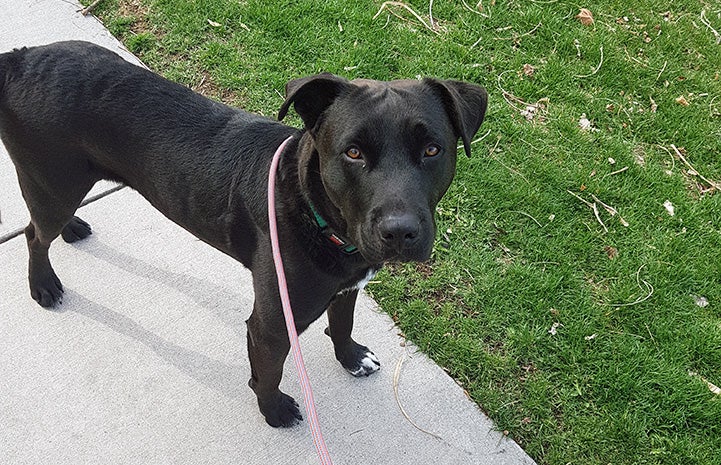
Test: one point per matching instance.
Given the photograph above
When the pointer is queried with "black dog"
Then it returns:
(358, 187)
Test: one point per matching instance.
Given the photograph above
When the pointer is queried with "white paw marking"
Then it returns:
(369, 364)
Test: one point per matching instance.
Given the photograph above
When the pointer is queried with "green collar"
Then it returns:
(332, 236)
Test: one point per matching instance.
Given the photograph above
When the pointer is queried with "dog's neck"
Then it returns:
(326, 216)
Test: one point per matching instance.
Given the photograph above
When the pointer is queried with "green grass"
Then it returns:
(517, 253)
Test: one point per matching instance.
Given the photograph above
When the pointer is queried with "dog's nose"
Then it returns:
(399, 232)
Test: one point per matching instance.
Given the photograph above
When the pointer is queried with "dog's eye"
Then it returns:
(354, 153)
(432, 151)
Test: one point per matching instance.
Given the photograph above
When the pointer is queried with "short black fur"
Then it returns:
(73, 113)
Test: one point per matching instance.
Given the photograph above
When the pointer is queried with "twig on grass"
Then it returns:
(615, 172)
(612, 211)
(430, 14)
(396, 379)
(588, 204)
(527, 216)
(662, 70)
(89, 9)
(706, 23)
(597, 67)
(388, 5)
(516, 37)
(648, 288)
(714, 185)
(598, 217)
(529, 110)
(492, 154)
(711, 387)
(475, 141)
(468, 7)
(593, 207)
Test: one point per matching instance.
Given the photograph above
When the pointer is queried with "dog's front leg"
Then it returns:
(356, 358)
(268, 347)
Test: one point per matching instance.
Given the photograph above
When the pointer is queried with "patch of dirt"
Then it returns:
(137, 10)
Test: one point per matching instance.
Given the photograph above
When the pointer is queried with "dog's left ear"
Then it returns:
(312, 95)
(465, 104)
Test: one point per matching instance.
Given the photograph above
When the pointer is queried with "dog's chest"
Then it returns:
(360, 285)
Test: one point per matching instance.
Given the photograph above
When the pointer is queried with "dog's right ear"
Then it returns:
(311, 96)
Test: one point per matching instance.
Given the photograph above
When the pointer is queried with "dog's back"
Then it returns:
(79, 110)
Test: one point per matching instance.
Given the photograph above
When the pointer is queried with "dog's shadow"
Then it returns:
(219, 376)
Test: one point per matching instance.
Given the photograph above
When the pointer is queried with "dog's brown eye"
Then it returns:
(353, 153)
(432, 151)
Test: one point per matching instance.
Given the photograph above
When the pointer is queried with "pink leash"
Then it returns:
(313, 422)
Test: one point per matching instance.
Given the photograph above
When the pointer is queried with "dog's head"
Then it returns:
(387, 154)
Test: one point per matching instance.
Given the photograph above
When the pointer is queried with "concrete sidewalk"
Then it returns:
(145, 361)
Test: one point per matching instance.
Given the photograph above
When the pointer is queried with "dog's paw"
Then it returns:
(284, 412)
(47, 290)
(76, 230)
(360, 361)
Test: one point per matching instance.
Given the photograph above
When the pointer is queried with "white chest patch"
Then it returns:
(360, 285)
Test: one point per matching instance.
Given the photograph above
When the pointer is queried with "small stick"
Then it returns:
(597, 67)
(712, 387)
(649, 287)
(713, 184)
(662, 70)
(522, 35)
(612, 211)
(396, 379)
(708, 25)
(616, 172)
(507, 94)
(430, 14)
(528, 216)
(476, 140)
(593, 207)
(492, 153)
(471, 9)
(588, 204)
(88, 9)
(598, 217)
(387, 5)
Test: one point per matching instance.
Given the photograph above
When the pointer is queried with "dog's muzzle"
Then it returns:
(399, 238)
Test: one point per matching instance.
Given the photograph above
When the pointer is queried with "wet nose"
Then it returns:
(399, 232)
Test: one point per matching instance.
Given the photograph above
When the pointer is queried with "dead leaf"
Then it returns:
(585, 124)
(585, 16)
(528, 70)
(213, 23)
(669, 207)
(681, 100)
(612, 252)
(654, 107)
(529, 113)
(712, 387)
(700, 300)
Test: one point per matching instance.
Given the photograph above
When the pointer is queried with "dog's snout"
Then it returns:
(399, 232)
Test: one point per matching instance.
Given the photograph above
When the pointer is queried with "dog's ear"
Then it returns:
(311, 95)
(465, 104)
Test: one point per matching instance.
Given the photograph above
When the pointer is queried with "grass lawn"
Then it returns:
(589, 336)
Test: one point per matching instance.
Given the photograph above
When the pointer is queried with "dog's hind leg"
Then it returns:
(52, 201)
